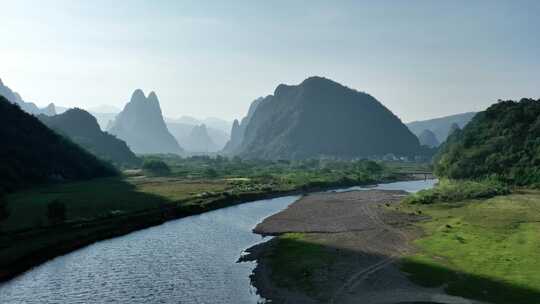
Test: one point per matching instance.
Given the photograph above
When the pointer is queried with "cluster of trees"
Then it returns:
(32, 153)
(502, 142)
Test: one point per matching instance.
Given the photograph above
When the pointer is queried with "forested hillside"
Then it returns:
(32, 153)
(82, 128)
(501, 142)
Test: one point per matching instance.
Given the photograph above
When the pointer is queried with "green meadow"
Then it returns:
(482, 249)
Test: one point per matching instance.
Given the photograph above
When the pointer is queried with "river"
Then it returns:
(189, 260)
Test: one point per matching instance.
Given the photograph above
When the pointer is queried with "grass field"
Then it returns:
(482, 249)
(197, 178)
(101, 198)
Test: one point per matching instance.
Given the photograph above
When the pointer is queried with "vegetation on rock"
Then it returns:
(82, 128)
(502, 142)
(320, 118)
(32, 153)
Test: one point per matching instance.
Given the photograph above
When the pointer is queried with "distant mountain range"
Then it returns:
(441, 126)
(142, 127)
(210, 140)
(322, 118)
(182, 129)
(198, 140)
(28, 107)
(217, 130)
(82, 128)
(32, 153)
(209, 122)
(105, 120)
(428, 138)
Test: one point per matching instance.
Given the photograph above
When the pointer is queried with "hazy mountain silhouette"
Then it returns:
(239, 129)
(49, 110)
(141, 125)
(105, 120)
(440, 126)
(428, 138)
(181, 130)
(28, 107)
(198, 140)
(212, 140)
(32, 153)
(322, 118)
(82, 128)
(210, 122)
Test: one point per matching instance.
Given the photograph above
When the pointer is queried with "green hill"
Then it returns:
(32, 153)
(82, 128)
(502, 142)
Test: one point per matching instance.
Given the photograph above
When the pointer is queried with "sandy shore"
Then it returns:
(365, 234)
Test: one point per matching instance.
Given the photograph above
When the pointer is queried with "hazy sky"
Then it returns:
(420, 58)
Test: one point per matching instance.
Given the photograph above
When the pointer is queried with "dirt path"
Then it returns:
(368, 236)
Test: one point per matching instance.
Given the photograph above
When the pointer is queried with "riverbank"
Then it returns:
(25, 248)
(339, 248)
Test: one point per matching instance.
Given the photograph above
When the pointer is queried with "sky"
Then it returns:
(421, 59)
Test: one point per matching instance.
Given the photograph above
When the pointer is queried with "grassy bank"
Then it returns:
(481, 249)
(484, 249)
(458, 190)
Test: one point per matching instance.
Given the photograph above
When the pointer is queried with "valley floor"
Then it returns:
(366, 245)
(109, 207)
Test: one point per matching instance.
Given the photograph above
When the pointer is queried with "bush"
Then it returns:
(453, 191)
(156, 167)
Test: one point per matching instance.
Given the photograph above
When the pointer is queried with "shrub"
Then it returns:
(453, 190)
(156, 167)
